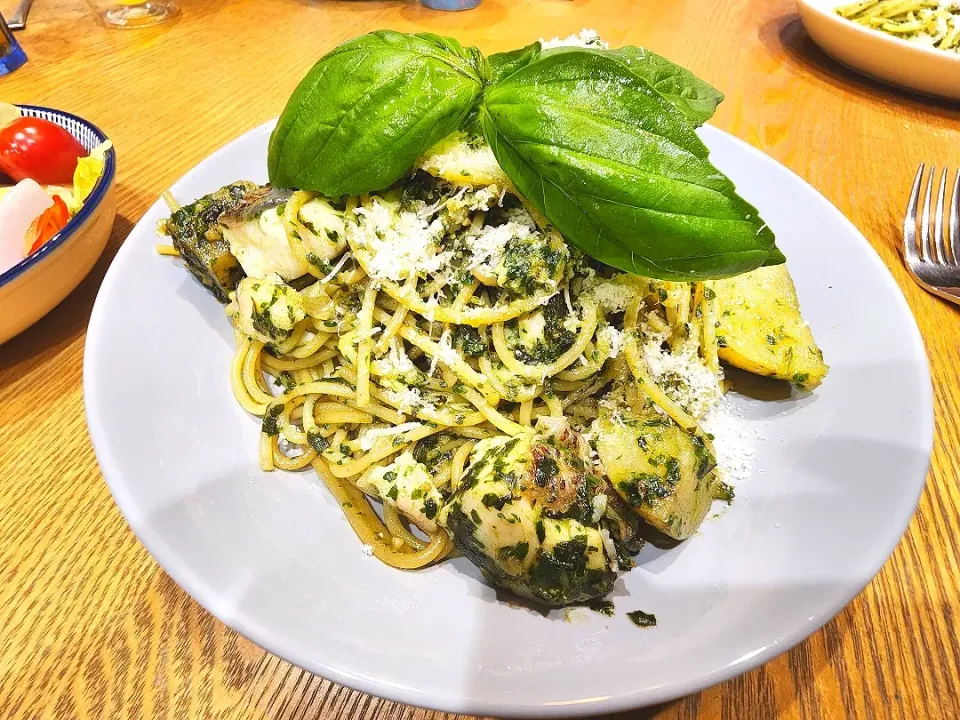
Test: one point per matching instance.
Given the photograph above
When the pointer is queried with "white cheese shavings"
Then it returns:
(409, 400)
(368, 438)
(400, 243)
(682, 375)
(368, 550)
(612, 297)
(585, 38)
(487, 246)
(733, 440)
(613, 337)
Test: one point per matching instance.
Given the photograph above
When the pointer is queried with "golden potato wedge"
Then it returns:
(759, 328)
(666, 475)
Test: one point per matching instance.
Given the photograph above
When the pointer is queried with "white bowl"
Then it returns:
(39, 282)
(879, 55)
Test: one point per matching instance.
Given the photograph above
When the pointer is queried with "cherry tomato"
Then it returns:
(40, 150)
(52, 221)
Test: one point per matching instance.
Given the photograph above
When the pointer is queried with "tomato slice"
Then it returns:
(40, 150)
(52, 221)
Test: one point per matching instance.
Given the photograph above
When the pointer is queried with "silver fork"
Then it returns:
(934, 261)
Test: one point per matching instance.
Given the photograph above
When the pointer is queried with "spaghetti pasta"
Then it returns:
(444, 320)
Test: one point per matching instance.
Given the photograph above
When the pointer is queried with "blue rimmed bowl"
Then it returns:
(37, 284)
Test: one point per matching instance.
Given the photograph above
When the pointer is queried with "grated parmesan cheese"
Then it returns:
(611, 296)
(368, 550)
(733, 440)
(400, 243)
(615, 338)
(682, 374)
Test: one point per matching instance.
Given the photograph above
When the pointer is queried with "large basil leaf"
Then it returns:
(619, 170)
(367, 110)
(505, 63)
(692, 96)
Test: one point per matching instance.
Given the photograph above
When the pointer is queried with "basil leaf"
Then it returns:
(367, 110)
(506, 63)
(619, 170)
(696, 99)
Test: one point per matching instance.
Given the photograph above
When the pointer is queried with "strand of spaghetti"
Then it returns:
(371, 530)
(170, 201)
(446, 355)
(292, 228)
(311, 346)
(392, 519)
(473, 432)
(365, 331)
(553, 404)
(266, 451)
(596, 358)
(710, 347)
(588, 325)
(512, 393)
(463, 297)
(240, 392)
(294, 338)
(392, 327)
(295, 462)
(458, 463)
(277, 365)
(496, 418)
(525, 416)
(168, 250)
(289, 431)
(474, 316)
(332, 413)
(639, 370)
(381, 450)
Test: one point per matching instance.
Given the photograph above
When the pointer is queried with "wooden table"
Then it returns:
(91, 627)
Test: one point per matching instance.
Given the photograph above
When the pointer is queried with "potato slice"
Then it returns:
(663, 473)
(761, 331)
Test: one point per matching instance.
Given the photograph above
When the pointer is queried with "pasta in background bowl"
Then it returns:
(883, 56)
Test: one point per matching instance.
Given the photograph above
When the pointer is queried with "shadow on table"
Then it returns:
(787, 34)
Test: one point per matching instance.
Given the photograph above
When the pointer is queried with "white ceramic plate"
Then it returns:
(835, 480)
(880, 55)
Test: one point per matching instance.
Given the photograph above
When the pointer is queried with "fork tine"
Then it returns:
(926, 247)
(938, 252)
(953, 241)
(910, 220)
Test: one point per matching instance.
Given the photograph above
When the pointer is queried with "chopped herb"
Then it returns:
(800, 378)
(271, 420)
(604, 607)
(708, 293)
(392, 492)
(642, 619)
(771, 340)
(317, 441)
(430, 508)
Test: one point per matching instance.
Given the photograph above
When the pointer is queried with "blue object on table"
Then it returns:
(12, 55)
(451, 4)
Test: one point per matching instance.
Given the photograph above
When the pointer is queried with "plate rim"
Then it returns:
(170, 562)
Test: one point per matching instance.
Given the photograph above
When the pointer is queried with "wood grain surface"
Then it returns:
(91, 627)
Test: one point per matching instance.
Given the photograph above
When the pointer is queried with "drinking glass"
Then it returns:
(12, 55)
(136, 13)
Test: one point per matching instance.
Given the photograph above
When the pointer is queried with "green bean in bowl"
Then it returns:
(934, 23)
